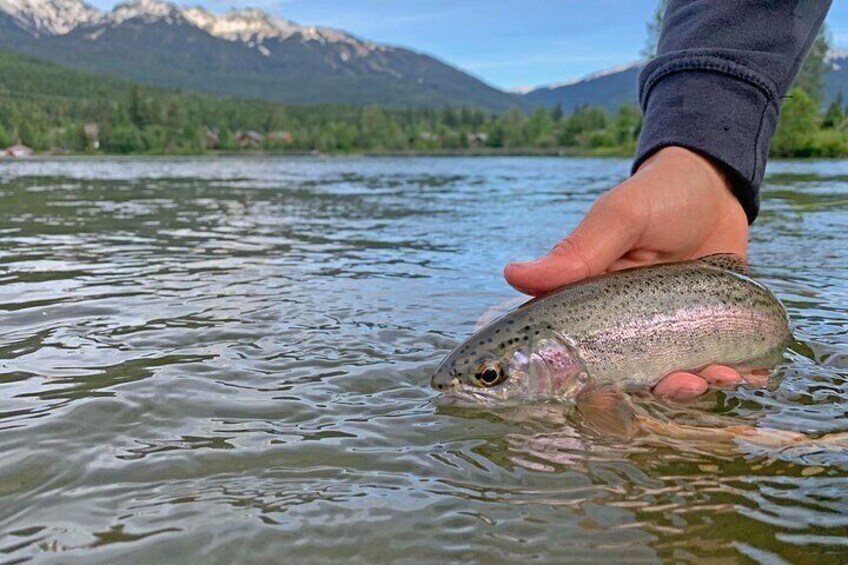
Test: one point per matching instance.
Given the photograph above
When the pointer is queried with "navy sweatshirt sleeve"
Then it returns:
(716, 84)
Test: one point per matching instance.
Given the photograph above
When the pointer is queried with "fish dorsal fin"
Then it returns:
(728, 262)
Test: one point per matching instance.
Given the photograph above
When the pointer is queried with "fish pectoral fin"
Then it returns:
(608, 410)
(728, 262)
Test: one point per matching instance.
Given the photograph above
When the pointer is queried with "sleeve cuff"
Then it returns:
(721, 112)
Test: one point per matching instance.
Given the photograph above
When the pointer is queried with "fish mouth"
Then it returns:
(453, 390)
(444, 383)
(457, 392)
(451, 387)
(443, 379)
(466, 395)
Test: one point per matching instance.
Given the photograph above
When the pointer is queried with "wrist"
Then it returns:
(693, 166)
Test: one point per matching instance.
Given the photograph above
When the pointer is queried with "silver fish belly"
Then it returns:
(629, 327)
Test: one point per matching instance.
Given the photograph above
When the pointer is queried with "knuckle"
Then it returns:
(570, 250)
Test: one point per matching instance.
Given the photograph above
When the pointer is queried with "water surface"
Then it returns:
(228, 360)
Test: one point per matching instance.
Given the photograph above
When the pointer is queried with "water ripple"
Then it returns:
(227, 360)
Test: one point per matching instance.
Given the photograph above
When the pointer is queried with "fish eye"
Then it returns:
(489, 375)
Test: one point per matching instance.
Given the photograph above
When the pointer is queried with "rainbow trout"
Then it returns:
(627, 328)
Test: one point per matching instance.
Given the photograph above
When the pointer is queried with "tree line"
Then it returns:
(123, 118)
(54, 109)
(804, 129)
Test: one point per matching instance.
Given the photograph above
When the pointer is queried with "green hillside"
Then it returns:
(48, 107)
(55, 109)
(174, 53)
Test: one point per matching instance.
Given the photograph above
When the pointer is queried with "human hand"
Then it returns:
(677, 206)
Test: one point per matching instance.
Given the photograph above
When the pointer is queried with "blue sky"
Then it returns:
(508, 43)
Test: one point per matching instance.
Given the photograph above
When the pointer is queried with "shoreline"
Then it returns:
(600, 153)
(481, 152)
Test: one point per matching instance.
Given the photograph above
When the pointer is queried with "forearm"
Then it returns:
(715, 86)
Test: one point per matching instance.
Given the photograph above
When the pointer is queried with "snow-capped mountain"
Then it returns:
(836, 80)
(252, 54)
(243, 53)
(609, 88)
(52, 17)
(613, 87)
(144, 10)
(242, 25)
(249, 26)
(255, 26)
(596, 75)
(837, 59)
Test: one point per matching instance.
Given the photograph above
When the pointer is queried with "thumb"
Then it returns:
(605, 234)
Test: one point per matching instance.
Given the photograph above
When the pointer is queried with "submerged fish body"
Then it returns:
(630, 327)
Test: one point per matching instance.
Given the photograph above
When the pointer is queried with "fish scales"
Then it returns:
(631, 327)
(641, 324)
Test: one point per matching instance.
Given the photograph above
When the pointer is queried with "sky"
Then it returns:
(507, 43)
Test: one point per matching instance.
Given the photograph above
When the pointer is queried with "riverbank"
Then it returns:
(601, 153)
(475, 152)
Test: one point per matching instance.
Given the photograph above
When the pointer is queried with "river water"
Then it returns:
(227, 360)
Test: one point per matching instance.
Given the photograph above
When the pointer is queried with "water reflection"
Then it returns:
(228, 360)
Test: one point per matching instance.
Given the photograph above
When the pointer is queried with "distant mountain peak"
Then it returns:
(246, 53)
(50, 17)
(254, 26)
(610, 89)
(250, 26)
(145, 10)
(586, 78)
(836, 58)
(241, 25)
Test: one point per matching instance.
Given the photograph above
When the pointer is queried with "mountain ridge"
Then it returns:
(242, 53)
(249, 53)
(610, 88)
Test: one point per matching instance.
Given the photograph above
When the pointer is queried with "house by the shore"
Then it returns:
(17, 151)
(249, 139)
